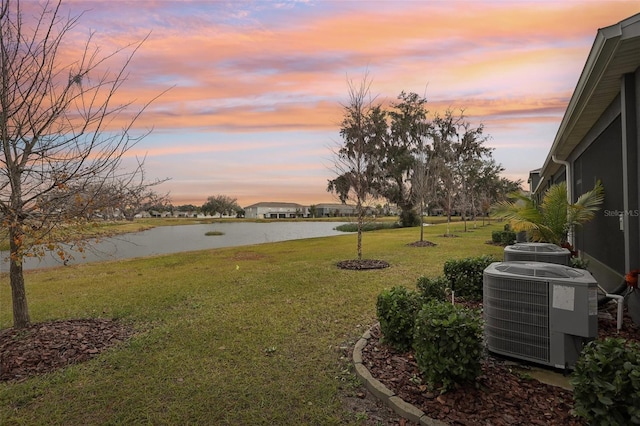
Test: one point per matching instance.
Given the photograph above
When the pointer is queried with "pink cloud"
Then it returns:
(244, 68)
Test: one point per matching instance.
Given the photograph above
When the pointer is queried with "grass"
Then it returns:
(244, 335)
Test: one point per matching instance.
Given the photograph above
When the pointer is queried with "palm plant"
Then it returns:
(553, 218)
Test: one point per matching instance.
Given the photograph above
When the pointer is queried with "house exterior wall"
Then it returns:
(331, 210)
(610, 153)
(601, 239)
(599, 139)
(276, 211)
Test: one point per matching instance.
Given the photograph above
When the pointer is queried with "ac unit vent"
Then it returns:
(539, 269)
(539, 312)
(539, 252)
(517, 317)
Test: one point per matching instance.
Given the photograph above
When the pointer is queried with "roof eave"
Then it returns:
(602, 51)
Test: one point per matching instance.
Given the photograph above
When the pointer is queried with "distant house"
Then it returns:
(275, 210)
(335, 209)
(599, 139)
(184, 213)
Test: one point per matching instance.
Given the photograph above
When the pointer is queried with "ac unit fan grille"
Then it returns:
(510, 256)
(517, 317)
(560, 258)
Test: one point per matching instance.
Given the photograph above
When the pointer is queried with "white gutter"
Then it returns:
(569, 181)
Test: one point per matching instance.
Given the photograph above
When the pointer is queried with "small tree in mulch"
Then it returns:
(357, 165)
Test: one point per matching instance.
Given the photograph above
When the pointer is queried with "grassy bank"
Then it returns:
(245, 335)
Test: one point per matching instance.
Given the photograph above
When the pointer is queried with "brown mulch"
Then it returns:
(362, 264)
(500, 396)
(422, 244)
(44, 347)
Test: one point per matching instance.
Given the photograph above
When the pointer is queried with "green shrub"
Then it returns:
(396, 310)
(409, 218)
(366, 227)
(579, 263)
(503, 237)
(465, 275)
(448, 344)
(432, 288)
(508, 237)
(606, 382)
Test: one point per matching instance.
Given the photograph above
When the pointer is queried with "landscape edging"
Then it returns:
(384, 394)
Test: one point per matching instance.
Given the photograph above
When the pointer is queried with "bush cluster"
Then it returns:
(503, 237)
(396, 310)
(606, 382)
(367, 226)
(432, 288)
(409, 218)
(447, 339)
(448, 344)
(465, 276)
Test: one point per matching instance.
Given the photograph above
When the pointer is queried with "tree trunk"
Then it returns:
(421, 221)
(360, 221)
(18, 293)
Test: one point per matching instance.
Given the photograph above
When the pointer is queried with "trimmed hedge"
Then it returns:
(503, 237)
(396, 310)
(606, 382)
(448, 344)
(432, 288)
(465, 275)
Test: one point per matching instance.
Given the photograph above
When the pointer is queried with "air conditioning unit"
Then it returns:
(537, 252)
(539, 312)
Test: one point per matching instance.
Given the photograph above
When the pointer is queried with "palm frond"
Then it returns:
(554, 209)
(586, 206)
(553, 218)
(520, 211)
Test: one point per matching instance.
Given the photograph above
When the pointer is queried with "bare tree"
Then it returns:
(424, 175)
(356, 162)
(58, 150)
(134, 194)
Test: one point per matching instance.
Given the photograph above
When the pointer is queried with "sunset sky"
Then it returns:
(257, 86)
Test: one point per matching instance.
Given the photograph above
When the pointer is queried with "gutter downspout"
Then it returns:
(568, 178)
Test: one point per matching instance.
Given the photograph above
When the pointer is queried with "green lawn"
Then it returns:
(240, 336)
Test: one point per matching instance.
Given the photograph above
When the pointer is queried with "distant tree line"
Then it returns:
(221, 205)
(436, 164)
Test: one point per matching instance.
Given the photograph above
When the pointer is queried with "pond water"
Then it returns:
(181, 238)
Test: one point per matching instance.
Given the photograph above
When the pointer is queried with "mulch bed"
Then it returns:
(45, 347)
(422, 244)
(500, 395)
(362, 264)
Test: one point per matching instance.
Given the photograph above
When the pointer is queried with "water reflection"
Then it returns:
(175, 239)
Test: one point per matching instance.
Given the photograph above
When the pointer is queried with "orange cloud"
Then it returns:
(239, 68)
